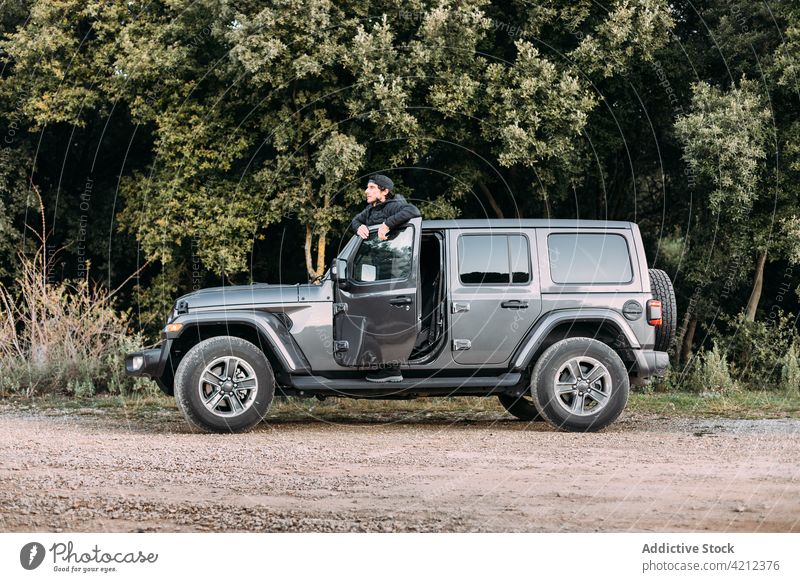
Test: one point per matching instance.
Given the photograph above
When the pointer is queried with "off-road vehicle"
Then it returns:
(557, 318)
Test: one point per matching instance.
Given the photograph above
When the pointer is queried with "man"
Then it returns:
(389, 211)
(383, 208)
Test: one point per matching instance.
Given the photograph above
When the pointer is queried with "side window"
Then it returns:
(589, 258)
(493, 259)
(384, 260)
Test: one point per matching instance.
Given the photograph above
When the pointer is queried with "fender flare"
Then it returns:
(542, 328)
(269, 327)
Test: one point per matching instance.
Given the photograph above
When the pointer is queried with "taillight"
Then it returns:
(654, 312)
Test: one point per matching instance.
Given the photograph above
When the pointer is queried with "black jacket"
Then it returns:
(393, 212)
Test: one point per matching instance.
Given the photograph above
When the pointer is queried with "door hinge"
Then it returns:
(460, 307)
(339, 308)
(461, 344)
(341, 346)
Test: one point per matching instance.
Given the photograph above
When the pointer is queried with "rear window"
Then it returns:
(493, 259)
(589, 258)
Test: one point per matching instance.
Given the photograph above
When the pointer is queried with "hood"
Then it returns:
(243, 296)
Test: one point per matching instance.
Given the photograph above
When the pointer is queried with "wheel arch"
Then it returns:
(265, 330)
(604, 325)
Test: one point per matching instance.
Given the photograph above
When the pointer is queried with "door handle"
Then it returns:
(401, 301)
(514, 304)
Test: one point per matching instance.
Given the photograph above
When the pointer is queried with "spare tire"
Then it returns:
(662, 289)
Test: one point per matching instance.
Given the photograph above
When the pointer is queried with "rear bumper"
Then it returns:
(650, 363)
(148, 363)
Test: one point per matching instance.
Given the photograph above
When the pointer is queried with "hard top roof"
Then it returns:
(523, 223)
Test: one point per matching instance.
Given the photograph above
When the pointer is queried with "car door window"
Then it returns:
(493, 259)
(384, 260)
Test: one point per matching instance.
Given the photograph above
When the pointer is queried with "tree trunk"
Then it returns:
(307, 249)
(758, 283)
(492, 202)
(688, 339)
(321, 253)
(681, 334)
(321, 240)
(547, 209)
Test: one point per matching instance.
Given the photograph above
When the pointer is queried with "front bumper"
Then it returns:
(148, 363)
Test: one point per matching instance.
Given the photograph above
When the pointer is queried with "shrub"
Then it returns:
(756, 349)
(790, 369)
(62, 337)
(710, 372)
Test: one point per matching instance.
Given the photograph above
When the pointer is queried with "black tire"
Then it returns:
(662, 289)
(520, 406)
(567, 410)
(236, 405)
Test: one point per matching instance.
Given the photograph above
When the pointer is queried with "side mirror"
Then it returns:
(340, 271)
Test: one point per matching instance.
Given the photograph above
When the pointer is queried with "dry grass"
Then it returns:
(145, 406)
(59, 337)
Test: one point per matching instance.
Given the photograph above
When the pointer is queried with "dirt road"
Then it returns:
(73, 472)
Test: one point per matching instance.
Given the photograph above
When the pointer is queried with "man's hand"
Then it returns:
(363, 231)
(383, 230)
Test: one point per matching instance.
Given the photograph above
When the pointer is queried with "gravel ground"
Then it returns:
(92, 471)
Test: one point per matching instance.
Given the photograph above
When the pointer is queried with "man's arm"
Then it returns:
(360, 219)
(401, 212)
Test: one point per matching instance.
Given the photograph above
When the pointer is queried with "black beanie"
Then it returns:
(383, 182)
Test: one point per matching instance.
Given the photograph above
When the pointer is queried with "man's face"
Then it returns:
(375, 194)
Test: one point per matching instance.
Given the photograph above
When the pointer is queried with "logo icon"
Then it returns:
(31, 555)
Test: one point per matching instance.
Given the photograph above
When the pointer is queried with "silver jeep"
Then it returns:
(555, 317)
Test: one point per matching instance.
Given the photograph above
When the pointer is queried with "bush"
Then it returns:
(756, 350)
(790, 369)
(61, 337)
(710, 372)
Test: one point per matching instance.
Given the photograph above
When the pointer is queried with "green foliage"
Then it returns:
(790, 369)
(710, 372)
(634, 30)
(535, 110)
(724, 140)
(758, 349)
(213, 129)
(15, 198)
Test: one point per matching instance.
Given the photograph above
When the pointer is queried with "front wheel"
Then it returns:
(580, 384)
(224, 384)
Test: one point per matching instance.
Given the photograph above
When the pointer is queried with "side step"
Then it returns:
(433, 385)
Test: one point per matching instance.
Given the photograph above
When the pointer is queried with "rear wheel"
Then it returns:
(662, 289)
(580, 384)
(521, 406)
(224, 384)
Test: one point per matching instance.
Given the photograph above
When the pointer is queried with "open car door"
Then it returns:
(377, 311)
